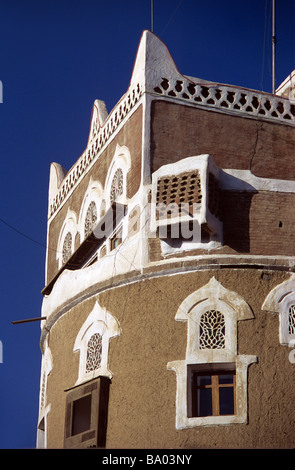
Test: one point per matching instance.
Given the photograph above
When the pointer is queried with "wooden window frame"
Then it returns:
(95, 436)
(117, 236)
(214, 372)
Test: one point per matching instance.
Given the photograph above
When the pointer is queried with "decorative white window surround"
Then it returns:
(93, 194)
(44, 407)
(121, 162)
(280, 300)
(99, 321)
(212, 296)
(69, 226)
(203, 165)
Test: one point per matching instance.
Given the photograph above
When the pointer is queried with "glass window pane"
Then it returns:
(226, 401)
(81, 415)
(205, 402)
(226, 379)
(203, 380)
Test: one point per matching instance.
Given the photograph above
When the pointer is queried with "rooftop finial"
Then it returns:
(274, 41)
(152, 16)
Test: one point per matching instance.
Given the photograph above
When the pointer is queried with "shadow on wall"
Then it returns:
(236, 221)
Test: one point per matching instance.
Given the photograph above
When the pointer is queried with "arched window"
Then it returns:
(90, 219)
(212, 379)
(92, 342)
(212, 330)
(117, 185)
(89, 214)
(94, 352)
(67, 247)
(44, 406)
(281, 300)
(66, 239)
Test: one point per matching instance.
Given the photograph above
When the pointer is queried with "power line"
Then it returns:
(172, 16)
(25, 235)
(21, 233)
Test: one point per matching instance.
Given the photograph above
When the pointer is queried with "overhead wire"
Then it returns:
(172, 16)
(19, 232)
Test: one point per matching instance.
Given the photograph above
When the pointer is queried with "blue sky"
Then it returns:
(56, 58)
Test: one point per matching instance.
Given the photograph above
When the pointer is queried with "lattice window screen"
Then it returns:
(90, 219)
(292, 320)
(67, 247)
(94, 352)
(117, 185)
(212, 330)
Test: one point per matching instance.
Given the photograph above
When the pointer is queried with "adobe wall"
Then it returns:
(131, 136)
(143, 391)
(265, 148)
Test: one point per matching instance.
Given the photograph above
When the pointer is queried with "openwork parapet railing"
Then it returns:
(98, 139)
(225, 98)
(230, 98)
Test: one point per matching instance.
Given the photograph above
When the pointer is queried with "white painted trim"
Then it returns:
(214, 291)
(234, 308)
(244, 180)
(279, 300)
(203, 164)
(122, 160)
(69, 225)
(182, 421)
(99, 321)
(93, 193)
(44, 409)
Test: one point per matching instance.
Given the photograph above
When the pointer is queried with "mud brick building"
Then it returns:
(170, 291)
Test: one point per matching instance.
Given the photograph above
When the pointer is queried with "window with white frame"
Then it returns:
(92, 343)
(117, 185)
(116, 180)
(212, 379)
(66, 240)
(90, 209)
(186, 210)
(90, 219)
(44, 407)
(67, 247)
(281, 300)
(211, 390)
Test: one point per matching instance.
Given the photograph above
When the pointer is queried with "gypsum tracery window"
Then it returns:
(292, 320)
(67, 247)
(94, 352)
(117, 185)
(90, 219)
(212, 330)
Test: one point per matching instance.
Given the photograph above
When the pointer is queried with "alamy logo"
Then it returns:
(172, 221)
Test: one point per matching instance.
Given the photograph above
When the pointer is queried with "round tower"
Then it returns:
(169, 296)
